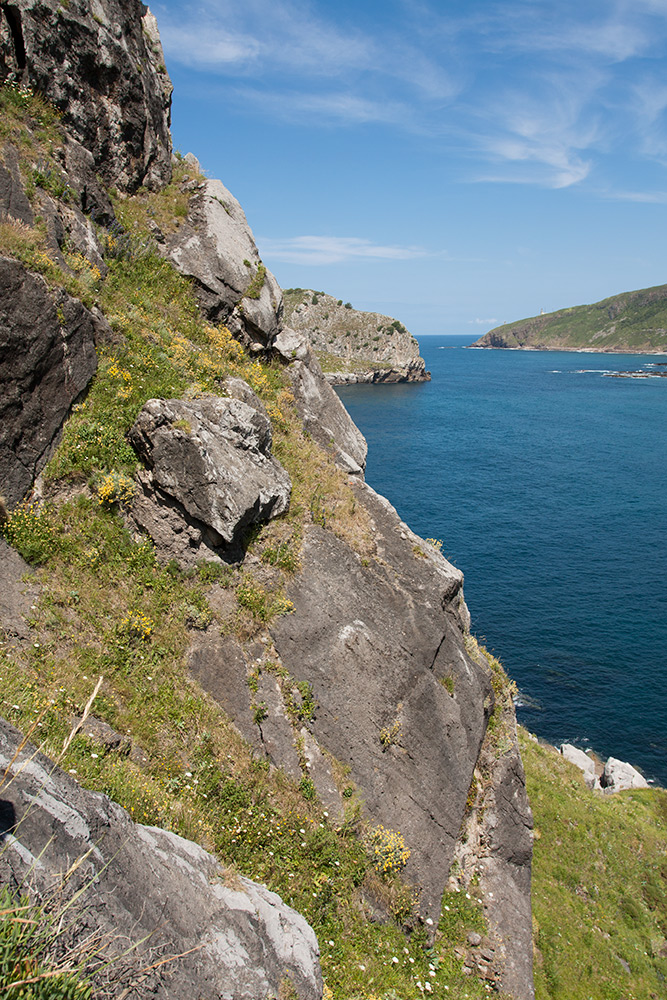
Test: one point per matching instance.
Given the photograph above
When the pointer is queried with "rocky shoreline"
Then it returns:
(611, 777)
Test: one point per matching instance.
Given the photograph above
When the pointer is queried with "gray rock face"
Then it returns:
(377, 642)
(47, 358)
(368, 346)
(102, 64)
(618, 776)
(210, 475)
(323, 414)
(16, 596)
(215, 247)
(244, 941)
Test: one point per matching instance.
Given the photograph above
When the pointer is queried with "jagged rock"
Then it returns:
(13, 199)
(618, 776)
(210, 475)
(351, 338)
(215, 247)
(322, 413)
(47, 358)
(149, 886)
(102, 65)
(16, 596)
(583, 762)
(376, 642)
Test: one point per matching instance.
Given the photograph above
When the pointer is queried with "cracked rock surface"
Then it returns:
(234, 938)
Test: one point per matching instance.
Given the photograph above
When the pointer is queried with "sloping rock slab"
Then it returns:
(378, 643)
(216, 248)
(47, 358)
(210, 475)
(142, 881)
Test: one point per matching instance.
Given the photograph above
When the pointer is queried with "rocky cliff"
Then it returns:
(351, 345)
(633, 322)
(266, 627)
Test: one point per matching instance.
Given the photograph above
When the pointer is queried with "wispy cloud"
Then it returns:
(483, 322)
(580, 86)
(318, 250)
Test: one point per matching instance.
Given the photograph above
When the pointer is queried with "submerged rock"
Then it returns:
(216, 933)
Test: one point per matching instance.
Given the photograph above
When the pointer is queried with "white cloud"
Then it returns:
(483, 322)
(318, 250)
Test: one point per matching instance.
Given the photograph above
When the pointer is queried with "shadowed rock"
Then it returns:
(210, 474)
(105, 71)
(47, 358)
(143, 884)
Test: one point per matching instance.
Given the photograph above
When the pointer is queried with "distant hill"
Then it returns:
(632, 322)
(351, 345)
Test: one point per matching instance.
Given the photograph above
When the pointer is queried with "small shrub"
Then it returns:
(254, 289)
(30, 530)
(115, 488)
(387, 850)
(137, 625)
(307, 788)
(390, 735)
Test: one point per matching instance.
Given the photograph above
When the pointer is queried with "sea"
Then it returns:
(546, 481)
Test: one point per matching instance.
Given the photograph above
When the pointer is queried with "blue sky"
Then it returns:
(454, 164)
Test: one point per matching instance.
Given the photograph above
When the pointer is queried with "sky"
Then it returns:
(455, 164)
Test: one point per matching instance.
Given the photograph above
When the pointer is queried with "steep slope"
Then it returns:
(354, 346)
(633, 322)
(334, 639)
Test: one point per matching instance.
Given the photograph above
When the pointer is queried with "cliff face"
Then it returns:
(334, 638)
(354, 346)
(633, 322)
(102, 66)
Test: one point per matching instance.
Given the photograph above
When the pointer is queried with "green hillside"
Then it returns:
(633, 322)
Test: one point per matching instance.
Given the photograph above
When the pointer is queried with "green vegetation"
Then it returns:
(633, 321)
(108, 609)
(599, 885)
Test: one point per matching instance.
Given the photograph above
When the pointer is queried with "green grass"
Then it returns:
(633, 320)
(599, 885)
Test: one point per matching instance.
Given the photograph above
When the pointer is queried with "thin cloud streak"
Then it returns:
(318, 250)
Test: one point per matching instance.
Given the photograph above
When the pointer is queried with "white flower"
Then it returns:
(429, 922)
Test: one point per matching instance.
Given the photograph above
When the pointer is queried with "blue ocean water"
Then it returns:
(547, 483)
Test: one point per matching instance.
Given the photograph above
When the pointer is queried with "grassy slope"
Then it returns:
(599, 885)
(632, 321)
(107, 608)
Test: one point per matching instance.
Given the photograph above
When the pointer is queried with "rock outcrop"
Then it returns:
(47, 358)
(615, 776)
(210, 475)
(215, 247)
(102, 65)
(207, 931)
(354, 346)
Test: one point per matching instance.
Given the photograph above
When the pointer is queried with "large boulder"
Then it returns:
(215, 247)
(47, 358)
(210, 475)
(102, 65)
(144, 886)
(619, 776)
